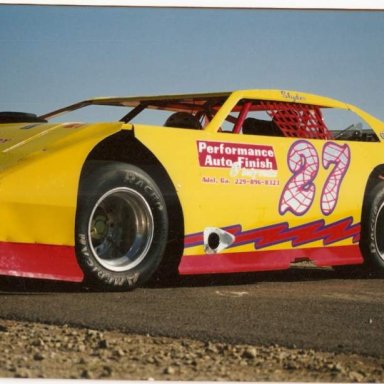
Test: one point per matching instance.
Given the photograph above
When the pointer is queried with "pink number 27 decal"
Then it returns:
(340, 156)
(303, 161)
(299, 192)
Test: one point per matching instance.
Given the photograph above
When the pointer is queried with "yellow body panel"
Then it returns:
(211, 197)
(40, 169)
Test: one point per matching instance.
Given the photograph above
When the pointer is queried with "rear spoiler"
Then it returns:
(20, 117)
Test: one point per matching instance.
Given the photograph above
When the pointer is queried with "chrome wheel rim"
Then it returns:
(379, 231)
(120, 229)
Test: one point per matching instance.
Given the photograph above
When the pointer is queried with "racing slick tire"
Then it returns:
(372, 231)
(121, 225)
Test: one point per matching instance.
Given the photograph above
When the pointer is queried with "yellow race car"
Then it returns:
(238, 181)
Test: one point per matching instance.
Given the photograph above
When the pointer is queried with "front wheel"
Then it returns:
(121, 225)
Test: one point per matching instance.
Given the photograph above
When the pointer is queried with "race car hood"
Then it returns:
(14, 136)
(21, 140)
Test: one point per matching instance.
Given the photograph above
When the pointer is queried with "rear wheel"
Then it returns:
(372, 232)
(121, 225)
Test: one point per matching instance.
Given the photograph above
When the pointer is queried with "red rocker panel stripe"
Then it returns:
(54, 262)
(268, 260)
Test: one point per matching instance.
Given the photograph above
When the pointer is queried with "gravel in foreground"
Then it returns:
(32, 350)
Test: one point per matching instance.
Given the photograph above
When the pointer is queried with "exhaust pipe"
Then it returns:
(216, 240)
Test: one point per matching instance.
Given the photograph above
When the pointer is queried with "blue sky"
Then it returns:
(53, 56)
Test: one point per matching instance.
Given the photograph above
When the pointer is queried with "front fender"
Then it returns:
(39, 180)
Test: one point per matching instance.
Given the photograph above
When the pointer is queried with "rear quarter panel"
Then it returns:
(216, 197)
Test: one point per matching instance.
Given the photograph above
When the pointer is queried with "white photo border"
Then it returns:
(263, 4)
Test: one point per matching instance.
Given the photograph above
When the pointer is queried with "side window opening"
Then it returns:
(270, 118)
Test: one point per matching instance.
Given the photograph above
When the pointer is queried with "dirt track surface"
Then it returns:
(293, 326)
(46, 351)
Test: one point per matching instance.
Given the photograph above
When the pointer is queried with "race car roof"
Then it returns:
(169, 102)
(182, 102)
